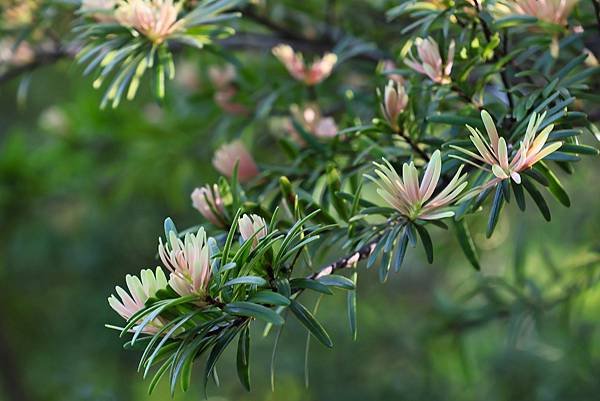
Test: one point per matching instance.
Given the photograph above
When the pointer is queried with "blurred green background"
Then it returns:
(83, 194)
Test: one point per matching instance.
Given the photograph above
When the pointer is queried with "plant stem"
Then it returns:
(596, 4)
(488, 36)
(413, 145)
(347, 261)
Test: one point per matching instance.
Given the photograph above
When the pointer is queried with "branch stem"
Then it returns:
(596, 4)
(347, 261)
(413, 145)
(488, 37)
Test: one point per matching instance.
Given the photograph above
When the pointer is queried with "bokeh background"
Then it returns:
(83, 194)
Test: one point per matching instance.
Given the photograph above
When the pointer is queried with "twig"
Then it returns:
(414, 146)
(488, 36)
(330, 12)
(283, 31)
(40, 59)
(325, 41)
(347, 261)
(242, 41)
(10, 372)
(596, 4)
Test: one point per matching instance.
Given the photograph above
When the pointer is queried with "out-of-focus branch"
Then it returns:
(282, 31)
(240, 41)
(259, 41)
(596, 4)
(347, 261)
(12, 382)
(243, 41)
(488, 36)
(42, 57)
(323, 42)
(330, 12)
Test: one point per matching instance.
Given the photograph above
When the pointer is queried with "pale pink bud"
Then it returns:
(155, 19)
(229, 154)
(591, 60)
(208, 202)
(493, 152)
(319, 70)
(97, 5)
(326, 128)
(100, 10)
(395, 101)
(188, 261)
(313, 122)
(414, 199)
(294, 62)
(389, 65)
(431, 63)
(139, 292)
(553, 11)
(22, 54)
(187, 76)
(249, 225)
(223, 98)
(18, 13)
(222, 77)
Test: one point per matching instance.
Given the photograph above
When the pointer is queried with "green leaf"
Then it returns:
(249, 309)
(283, 287)
(230, 236)
(334, 280)
(563, 72)
(307, 136)
(351, 301)
(375, 253)
(497, 204)
(426, 241)
(562, 157)
(184, 358)
(453, 119)
(384, 211)
(160, 373)
(273, 355)
(295, 230)
(537, 198)
(513, 20)
(506, 190)
(310, 284)
(253, 280)
(466, 243)
(519, 194)
(384, 266)
(243, 358)
(159, 82)
(152, 313)
(536, 175)
(169, 226)
(269, 297)
(400, 252)
(579, 149)
(220, 345)
(186, 373)
(555, 187)
(563, 134)
(334, 184)
(411, 234)
(163, 339)
(309, 321)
